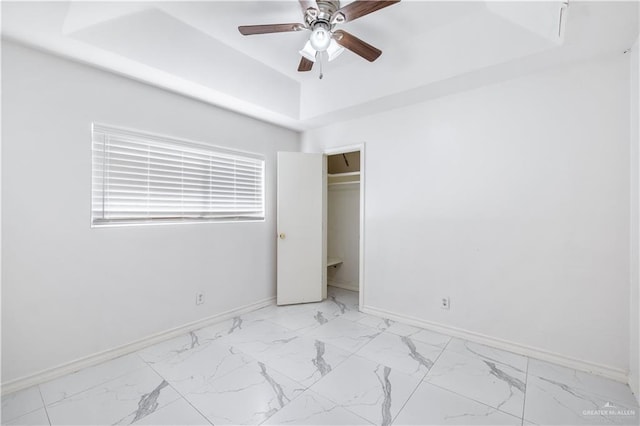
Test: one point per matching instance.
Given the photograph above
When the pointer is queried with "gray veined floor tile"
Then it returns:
(272, 311)
(305, 360)
(87, 378)
(248, 395)
(354, 315)
(313, 409)
(498, 385)
(347, 335)
(181, 347)
(300, 321)
(375, 322)
(121, 401)
(233, 325)
(334, 306)
(419, 334)
(563, 396)
(258, 338)
(331, 307)
(253, 316)
(403, 329)
(19, 403)
(35, 418)
(401, 353)
(373, 391)
(179, 412)
(489, 354)
(347, 296)
(608, 389)
(552, 402)
(431, 405)
(188, 364)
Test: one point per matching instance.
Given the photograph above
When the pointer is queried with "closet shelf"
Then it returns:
(333, 261)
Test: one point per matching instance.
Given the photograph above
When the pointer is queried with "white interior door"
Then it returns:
(302, 255)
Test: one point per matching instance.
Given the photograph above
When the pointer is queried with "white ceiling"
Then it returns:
(429, 49)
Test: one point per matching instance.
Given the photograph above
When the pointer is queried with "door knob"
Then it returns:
(282, 236)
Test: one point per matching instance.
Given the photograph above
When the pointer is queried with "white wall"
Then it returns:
(511, 199)
(343, 234)
(634, 356)
(69, 291)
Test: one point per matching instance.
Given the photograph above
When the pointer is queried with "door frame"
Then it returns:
(341, 150)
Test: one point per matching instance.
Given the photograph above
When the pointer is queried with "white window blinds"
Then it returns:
(141, 178)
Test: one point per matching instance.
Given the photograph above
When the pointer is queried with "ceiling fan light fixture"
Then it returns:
(308, 52)
(320, 18)
(320, 37)
(334, 50)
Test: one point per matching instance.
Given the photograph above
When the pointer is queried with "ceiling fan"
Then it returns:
(321, 18)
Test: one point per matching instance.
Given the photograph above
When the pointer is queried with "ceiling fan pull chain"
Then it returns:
(320, 60)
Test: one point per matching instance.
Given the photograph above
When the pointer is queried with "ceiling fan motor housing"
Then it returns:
(326, 10)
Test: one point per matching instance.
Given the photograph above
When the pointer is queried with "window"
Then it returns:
(140, 178)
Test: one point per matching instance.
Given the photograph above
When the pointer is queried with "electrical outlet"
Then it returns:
(444, 303)
(199, 298)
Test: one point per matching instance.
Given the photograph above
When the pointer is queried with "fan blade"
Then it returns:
(360, 8)
(305, 65)
(357, 46)
(270, 28)
(306, 4)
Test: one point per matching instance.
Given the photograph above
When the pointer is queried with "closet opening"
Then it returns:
(344, 227)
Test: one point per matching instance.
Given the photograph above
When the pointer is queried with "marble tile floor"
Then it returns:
(322, 364)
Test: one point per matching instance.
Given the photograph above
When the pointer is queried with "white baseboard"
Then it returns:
(100, 357)
(346, 286)
(541, 354)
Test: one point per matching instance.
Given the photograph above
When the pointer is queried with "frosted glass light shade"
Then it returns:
(334, 50)
(308, 52)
